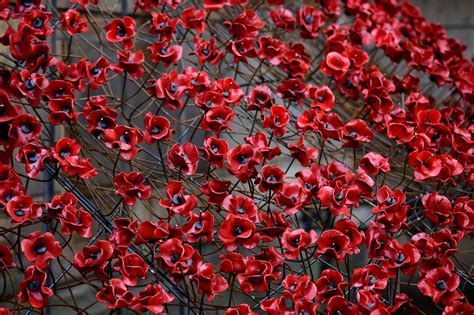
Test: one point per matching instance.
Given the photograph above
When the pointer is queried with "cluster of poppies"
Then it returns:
(313, 115)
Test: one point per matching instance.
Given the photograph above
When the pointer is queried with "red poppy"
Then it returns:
(330, 284)
(33, 289)
(152, 299)
(94, 258)
(162, 51)
(242, 49)
(236, 231)
(259, 98)
(258, 275)
(121, 30)
(370, 277)
(310, 20)
(260, 143)
(292, 197)
(130, 186)
(177, 201)
(272, 178)
(283, 18)
(157, 128)
(373, 163)
(356, 131)
(335, 65)
(206, 51)
(33, 155)
(192, 18)
(125, 139)
(184, 157)
(170, 88)
(216, 150)
(123, 234)
(242, 161)
(277, 120)
(131, 266)
(334, 244)
(271, 49)
(218, 119)
(296, 241)
(241, 309)
(438, 209)
(76, 220)
(73, 23)
(441, 285)
(304, 155)
(62, 110)
(29, 85)
(178, 258)
(97, 72)
(22, 209)
(199, 226)
(208, 282)
(216, 190)
(246, 24)
(400, 257)
(229, 89)
(115, 294)
(130, 62)
(241, 206)
(40, 249)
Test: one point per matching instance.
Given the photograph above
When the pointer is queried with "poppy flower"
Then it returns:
(242, 161)
(259, 98)
(207, 51)
(283, 18)
(66, 153)
(115, 294)
(152, 233)
(329, 126)
(29, 85)
(6, 258)
(192, 18)
(426, 164)
(62, 110)
(97, 72)
(162, 51)
(260, 142)
(241, 206)
(335, 65)
(177, 201)
(157, 128)
(370, 277)
(330, 284)
(121, 30)
(292, 197)
(33, 155)
(178, 258)
(299, 287)
(130, 62)
(123, 234)
(323, 98)
(458, 307)
(229, 89)
(351, 230)
(131, 266)
(232, 263)
(296, 241)
(199, 226)
(305, 155)
(25, 128)
(130, 186)
(246, 24)
(438, 209)
(310, 20)
(33, 289)
(258, 275)
(296, 61)
(339, 305)
(216, 190)
(40, 249)
(216, 150)
(400, 257)
(373, 163)
(185, 157)
(441, 285)
(208, 282)
(334, 244)
(170, 88)
(125, 139)
(277, 120)
(152, 299)
(22, 209)
(271, 49)
(272, 178)
(76, 220)
(217, 119)
(242, 49)
(214, 5)
(355, 132)
(73, 23)
(241, 309)
(236, 231)
(94, 258)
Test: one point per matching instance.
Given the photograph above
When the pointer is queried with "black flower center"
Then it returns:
(205, 51)
(32, 157)
(237, 231)
(214, 149)
(174, 258)
(243, 159)
(225, 94)
(198, 225)
(26, 3)
(155, 130)
(121, 31)
(26, 128)
(320, 98)
(400, 258)
(103, 123)
(95, 70)
(37, 23)
(173, 88)
(40, 249)
(29, 84)
(390, 201)
(19, 212)
(125, 138)
(240, 210)
(177, 200)
(372, 280)
(331, 285)
(339, 196)
(308, 19)
(64, 153)
(94, 256)
(441, 285)
(271, 179)
(33, 285)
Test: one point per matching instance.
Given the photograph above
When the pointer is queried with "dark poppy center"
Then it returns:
(240, 210)
(271, 179)
(162, 24)
(441, 285)
(174, 258)
(198, 225)
(308, 186)
(353, 134)
(308, 19)
(400, 258)
(163, 50)
(64, 153)
(95, 70)
(26, 3)
(19, 212)
(40, 249)
(337, 312)
(331, 285)
(390, 201)
(37, 23)
(26, 128)
(103, 123)
(177, 200)
(66, 110)
(296, 241)
(237, 231)
(94, 256)
(225, 94)
(155, 130)
(173, 88)
(243, 159)
(34, 285)
(339, 196)
(214, 149)
(29, 84)
(335, 246)
(205, 51)
(121, 31)
(372, 280)
(125, 138)
(320, 98)
(32, 157)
